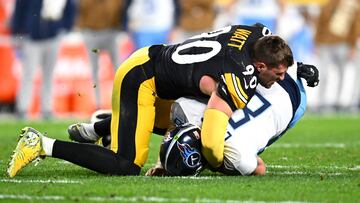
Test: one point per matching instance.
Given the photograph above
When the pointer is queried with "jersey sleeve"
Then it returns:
(235, 90)
(238, 77)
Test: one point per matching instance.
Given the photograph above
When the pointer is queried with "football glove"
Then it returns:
(309, 72)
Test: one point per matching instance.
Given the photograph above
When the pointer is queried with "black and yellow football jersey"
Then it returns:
(223, 54)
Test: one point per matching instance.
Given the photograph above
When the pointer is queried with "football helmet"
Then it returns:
(180, 151)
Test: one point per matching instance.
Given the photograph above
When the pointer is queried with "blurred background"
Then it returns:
(58, 57)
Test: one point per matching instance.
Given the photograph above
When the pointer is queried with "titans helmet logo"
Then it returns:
(191, 157)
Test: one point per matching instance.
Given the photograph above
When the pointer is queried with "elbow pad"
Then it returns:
(212, 136)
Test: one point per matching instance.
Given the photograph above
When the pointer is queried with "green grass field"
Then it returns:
(317, 161)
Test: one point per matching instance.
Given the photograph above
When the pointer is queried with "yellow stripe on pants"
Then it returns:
(145, 105)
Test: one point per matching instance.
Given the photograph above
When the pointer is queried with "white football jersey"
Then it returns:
(269, 113)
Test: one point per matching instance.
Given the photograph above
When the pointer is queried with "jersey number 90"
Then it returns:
(214, 47)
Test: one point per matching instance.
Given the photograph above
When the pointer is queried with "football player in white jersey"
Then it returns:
(268, 115)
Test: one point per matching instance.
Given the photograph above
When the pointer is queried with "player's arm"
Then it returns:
(216, 119)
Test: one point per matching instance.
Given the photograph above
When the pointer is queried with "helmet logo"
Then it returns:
(190, 156)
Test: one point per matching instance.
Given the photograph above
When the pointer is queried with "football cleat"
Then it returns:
(78, 133)
(28, 149)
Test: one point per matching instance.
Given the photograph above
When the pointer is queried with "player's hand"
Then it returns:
(309, 72)
(156, 171)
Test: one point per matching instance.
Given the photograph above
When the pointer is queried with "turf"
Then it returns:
(317, 161)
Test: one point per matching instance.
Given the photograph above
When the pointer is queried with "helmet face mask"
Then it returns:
(180, 151)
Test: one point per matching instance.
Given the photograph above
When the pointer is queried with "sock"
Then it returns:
(47, 145)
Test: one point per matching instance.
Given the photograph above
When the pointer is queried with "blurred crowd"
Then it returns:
(58, 57)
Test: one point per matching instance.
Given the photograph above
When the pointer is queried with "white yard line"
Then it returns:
(196, 177)
(322, 145)
(130, 199)
(354, 168)
(40, 181)
(303, 173)
(294, 170)
(31, 197)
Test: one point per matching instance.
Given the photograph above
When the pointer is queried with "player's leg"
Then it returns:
(49, 53)
(132, 121)
(91, 132)
(92, 40)
(111, 44)
(133, 116)
(32, 145)
(30, 62)
(102, 128)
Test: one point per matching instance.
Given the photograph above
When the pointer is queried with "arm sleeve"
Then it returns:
(212, 136)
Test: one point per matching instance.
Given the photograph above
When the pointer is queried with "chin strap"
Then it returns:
(309, 72)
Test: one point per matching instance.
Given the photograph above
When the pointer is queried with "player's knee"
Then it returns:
(124, 168)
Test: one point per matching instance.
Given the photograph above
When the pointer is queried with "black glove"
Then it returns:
(309, 72)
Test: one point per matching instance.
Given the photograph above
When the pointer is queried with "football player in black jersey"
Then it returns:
(222, 67)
